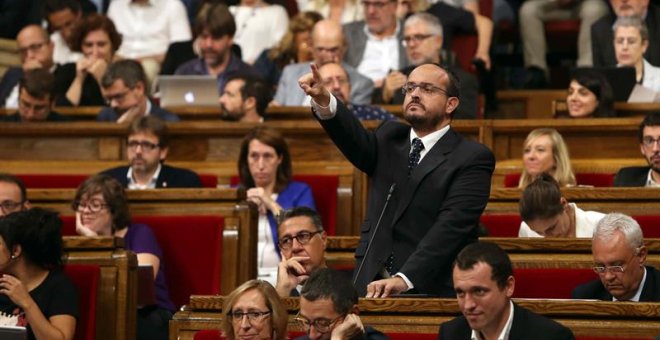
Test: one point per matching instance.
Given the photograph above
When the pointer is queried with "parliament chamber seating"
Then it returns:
(86, 279)
(549, 283)
(64, 181)
(582, 179)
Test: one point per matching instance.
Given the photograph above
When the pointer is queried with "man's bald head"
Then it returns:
(328, 42)
(35, 47)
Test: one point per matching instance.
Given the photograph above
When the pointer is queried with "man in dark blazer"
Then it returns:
(484, 283)
(619, 257)
(124, 86)
(644, 176)
(147, 149)
(434, 206)
(381, 23)
(602, 36)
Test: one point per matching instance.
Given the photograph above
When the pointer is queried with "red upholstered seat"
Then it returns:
(192, 247)
(501, 225)
(208, 181)
(549, 283)
(592, 179)
(324, 189)
(85, 278)
(208, 334)
(650, 225)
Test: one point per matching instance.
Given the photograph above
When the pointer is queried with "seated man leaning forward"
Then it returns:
(35, 98)
(329, 309)
(147, 148)
(125, 89)
(484, 284)
(302, 243)
(13, 195)
(619, 257)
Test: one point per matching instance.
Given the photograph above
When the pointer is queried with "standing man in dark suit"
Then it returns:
(125, 88)
(619, 256)
(602, 36)
(484, 284)
(147, 149)
(644, 176)
(434, 206)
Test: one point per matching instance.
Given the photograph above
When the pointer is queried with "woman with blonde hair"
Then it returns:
(254, 309)
(544, 151)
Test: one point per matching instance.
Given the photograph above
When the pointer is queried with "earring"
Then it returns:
(13, 257)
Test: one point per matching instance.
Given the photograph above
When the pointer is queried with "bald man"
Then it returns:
(36, 51)
(328, 45)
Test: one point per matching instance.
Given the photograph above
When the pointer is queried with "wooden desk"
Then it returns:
(116, 303)
(594, 318)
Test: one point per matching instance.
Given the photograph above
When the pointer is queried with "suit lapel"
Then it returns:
(434, 158)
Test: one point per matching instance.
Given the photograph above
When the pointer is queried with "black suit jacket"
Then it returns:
(634, 176)
(602, 38)
(526, 325)
(169, 177)
(431, 216)
(595, 289)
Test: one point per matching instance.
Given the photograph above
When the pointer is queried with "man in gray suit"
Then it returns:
(378, 49)
(328, 46)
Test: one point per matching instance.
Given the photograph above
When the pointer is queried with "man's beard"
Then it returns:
(231, 116)
(421, 123)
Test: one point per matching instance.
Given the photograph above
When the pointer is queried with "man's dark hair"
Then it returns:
(326, 283)
(541, 199)
(151, 124)
(8, 178)
(129, 71)
(38, 83)
(216, 19)
(490, 254)
(114, 195)
(53, 6)
(254, 87)
(651, 119)
(38, 232)
(302, 211)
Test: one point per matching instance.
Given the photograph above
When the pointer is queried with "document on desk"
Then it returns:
(641, 94)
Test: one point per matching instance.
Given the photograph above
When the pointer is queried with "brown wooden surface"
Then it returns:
(414, 315)
(516, 104)
(116, 302)
(240, 229)
(623, 109)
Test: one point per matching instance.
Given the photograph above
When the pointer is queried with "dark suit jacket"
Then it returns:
(634, 176)
(357, 42)
(8, 82)
(595, 289)
(169, 177)
(107, 114)
(431, 216)
(52, 117)
(602, 38)
(526, 325)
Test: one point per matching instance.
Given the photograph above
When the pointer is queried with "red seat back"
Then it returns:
(549, 283)
(501, 225)
(85, 278)
(586, 178)
(650, 225)
(208, 181)
(208, 334)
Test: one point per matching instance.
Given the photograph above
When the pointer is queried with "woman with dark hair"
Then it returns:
(546, 213)
(97, 38)
(33, 289)
(254, 311)
(102, 210)
(264, 168)
(590, 96)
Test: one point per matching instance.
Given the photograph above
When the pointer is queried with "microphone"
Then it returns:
(371, 239)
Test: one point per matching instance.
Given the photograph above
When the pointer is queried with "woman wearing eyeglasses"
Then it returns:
(34, 292)
(546, 213)
(631, 39)
(264, 168)
(102, 210)
(254, 311)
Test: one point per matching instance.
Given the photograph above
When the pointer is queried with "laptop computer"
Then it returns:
(13, 333)
(621, 79)
(188, 91)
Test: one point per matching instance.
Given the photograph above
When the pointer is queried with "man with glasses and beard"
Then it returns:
(147, 148)
(644, 176)
(13, 195)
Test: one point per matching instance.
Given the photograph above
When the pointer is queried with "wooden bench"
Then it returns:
(116, 303)
(623, 109)
(410, 315)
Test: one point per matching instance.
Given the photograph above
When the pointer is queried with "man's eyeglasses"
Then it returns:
(376, 4)
(146, 145)
(425, 88)
(93, 205)
(417, 38)
(649, 142)
(10, 206)
(321, 325)
(615, 269)
(303, 238)
(31, 48)
(253, 316)
(119, 97)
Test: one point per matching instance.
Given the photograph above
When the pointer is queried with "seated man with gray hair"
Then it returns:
(125, 90)
(619, 256)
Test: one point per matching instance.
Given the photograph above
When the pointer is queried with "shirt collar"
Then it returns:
(504, 334)
(650, 182)
(148, 107)
(430, 139)
(638, 294)
(373, 37)
(152, 183)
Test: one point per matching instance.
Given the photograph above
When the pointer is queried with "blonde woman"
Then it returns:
(544, 151)
(254, 310)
